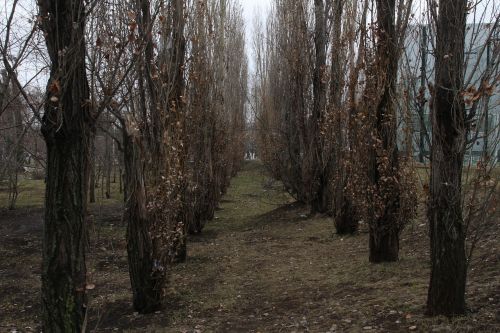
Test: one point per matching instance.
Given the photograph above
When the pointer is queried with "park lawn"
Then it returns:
(32, 194)
(262, 265)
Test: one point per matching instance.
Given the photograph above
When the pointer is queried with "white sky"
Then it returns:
(255, 6)
(251, 9)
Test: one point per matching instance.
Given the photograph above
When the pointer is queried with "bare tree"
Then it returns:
(285, 116)
(475, 191)
(12, 134)
(385, 227)
(448, 260)
(215, 108)
(321, 199)
(346, 221)
(380, 183)
(67, 124)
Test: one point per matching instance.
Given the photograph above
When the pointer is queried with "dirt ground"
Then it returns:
(262, 265)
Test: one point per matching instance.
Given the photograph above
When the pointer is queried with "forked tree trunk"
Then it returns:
(66, 126)
(385, 229)
(140, 247)
(448, 260)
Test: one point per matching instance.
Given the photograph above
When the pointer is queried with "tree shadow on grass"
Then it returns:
(206, 236)
(290, 213)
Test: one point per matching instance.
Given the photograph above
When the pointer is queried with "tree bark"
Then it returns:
(120, 180)
(176, 104)
(66, 125)
(446, 294)
(13, 139)
(92, 167)
(107, 161)
(321, 201)
(385, 228)
(140, 247)
(345, 222)
(421, 98)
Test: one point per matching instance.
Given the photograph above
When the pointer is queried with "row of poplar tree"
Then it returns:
(330, 98)
(167, 81)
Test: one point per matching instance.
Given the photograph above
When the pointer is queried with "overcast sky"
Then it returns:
(251, 8)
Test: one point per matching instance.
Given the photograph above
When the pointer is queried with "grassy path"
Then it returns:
(261, 265)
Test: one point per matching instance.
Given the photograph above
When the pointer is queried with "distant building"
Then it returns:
(417, 61)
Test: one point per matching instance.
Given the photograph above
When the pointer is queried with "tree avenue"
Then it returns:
(190, 177)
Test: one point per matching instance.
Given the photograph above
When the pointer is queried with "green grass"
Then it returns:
(32, 194)
(262, 265)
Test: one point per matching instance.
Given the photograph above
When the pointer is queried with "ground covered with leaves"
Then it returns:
(262, 265)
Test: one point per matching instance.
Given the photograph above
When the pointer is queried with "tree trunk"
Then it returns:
(176, 107)
(13, 186)
(66, 125)
(385, 228)
(120, 178)
(321, 200)
(345, 222)
(140, 248)
(92, 167)
(384, 245)
(421, 98)
(16, 159)
(446, 294)
(4, 89)
(107, 167)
